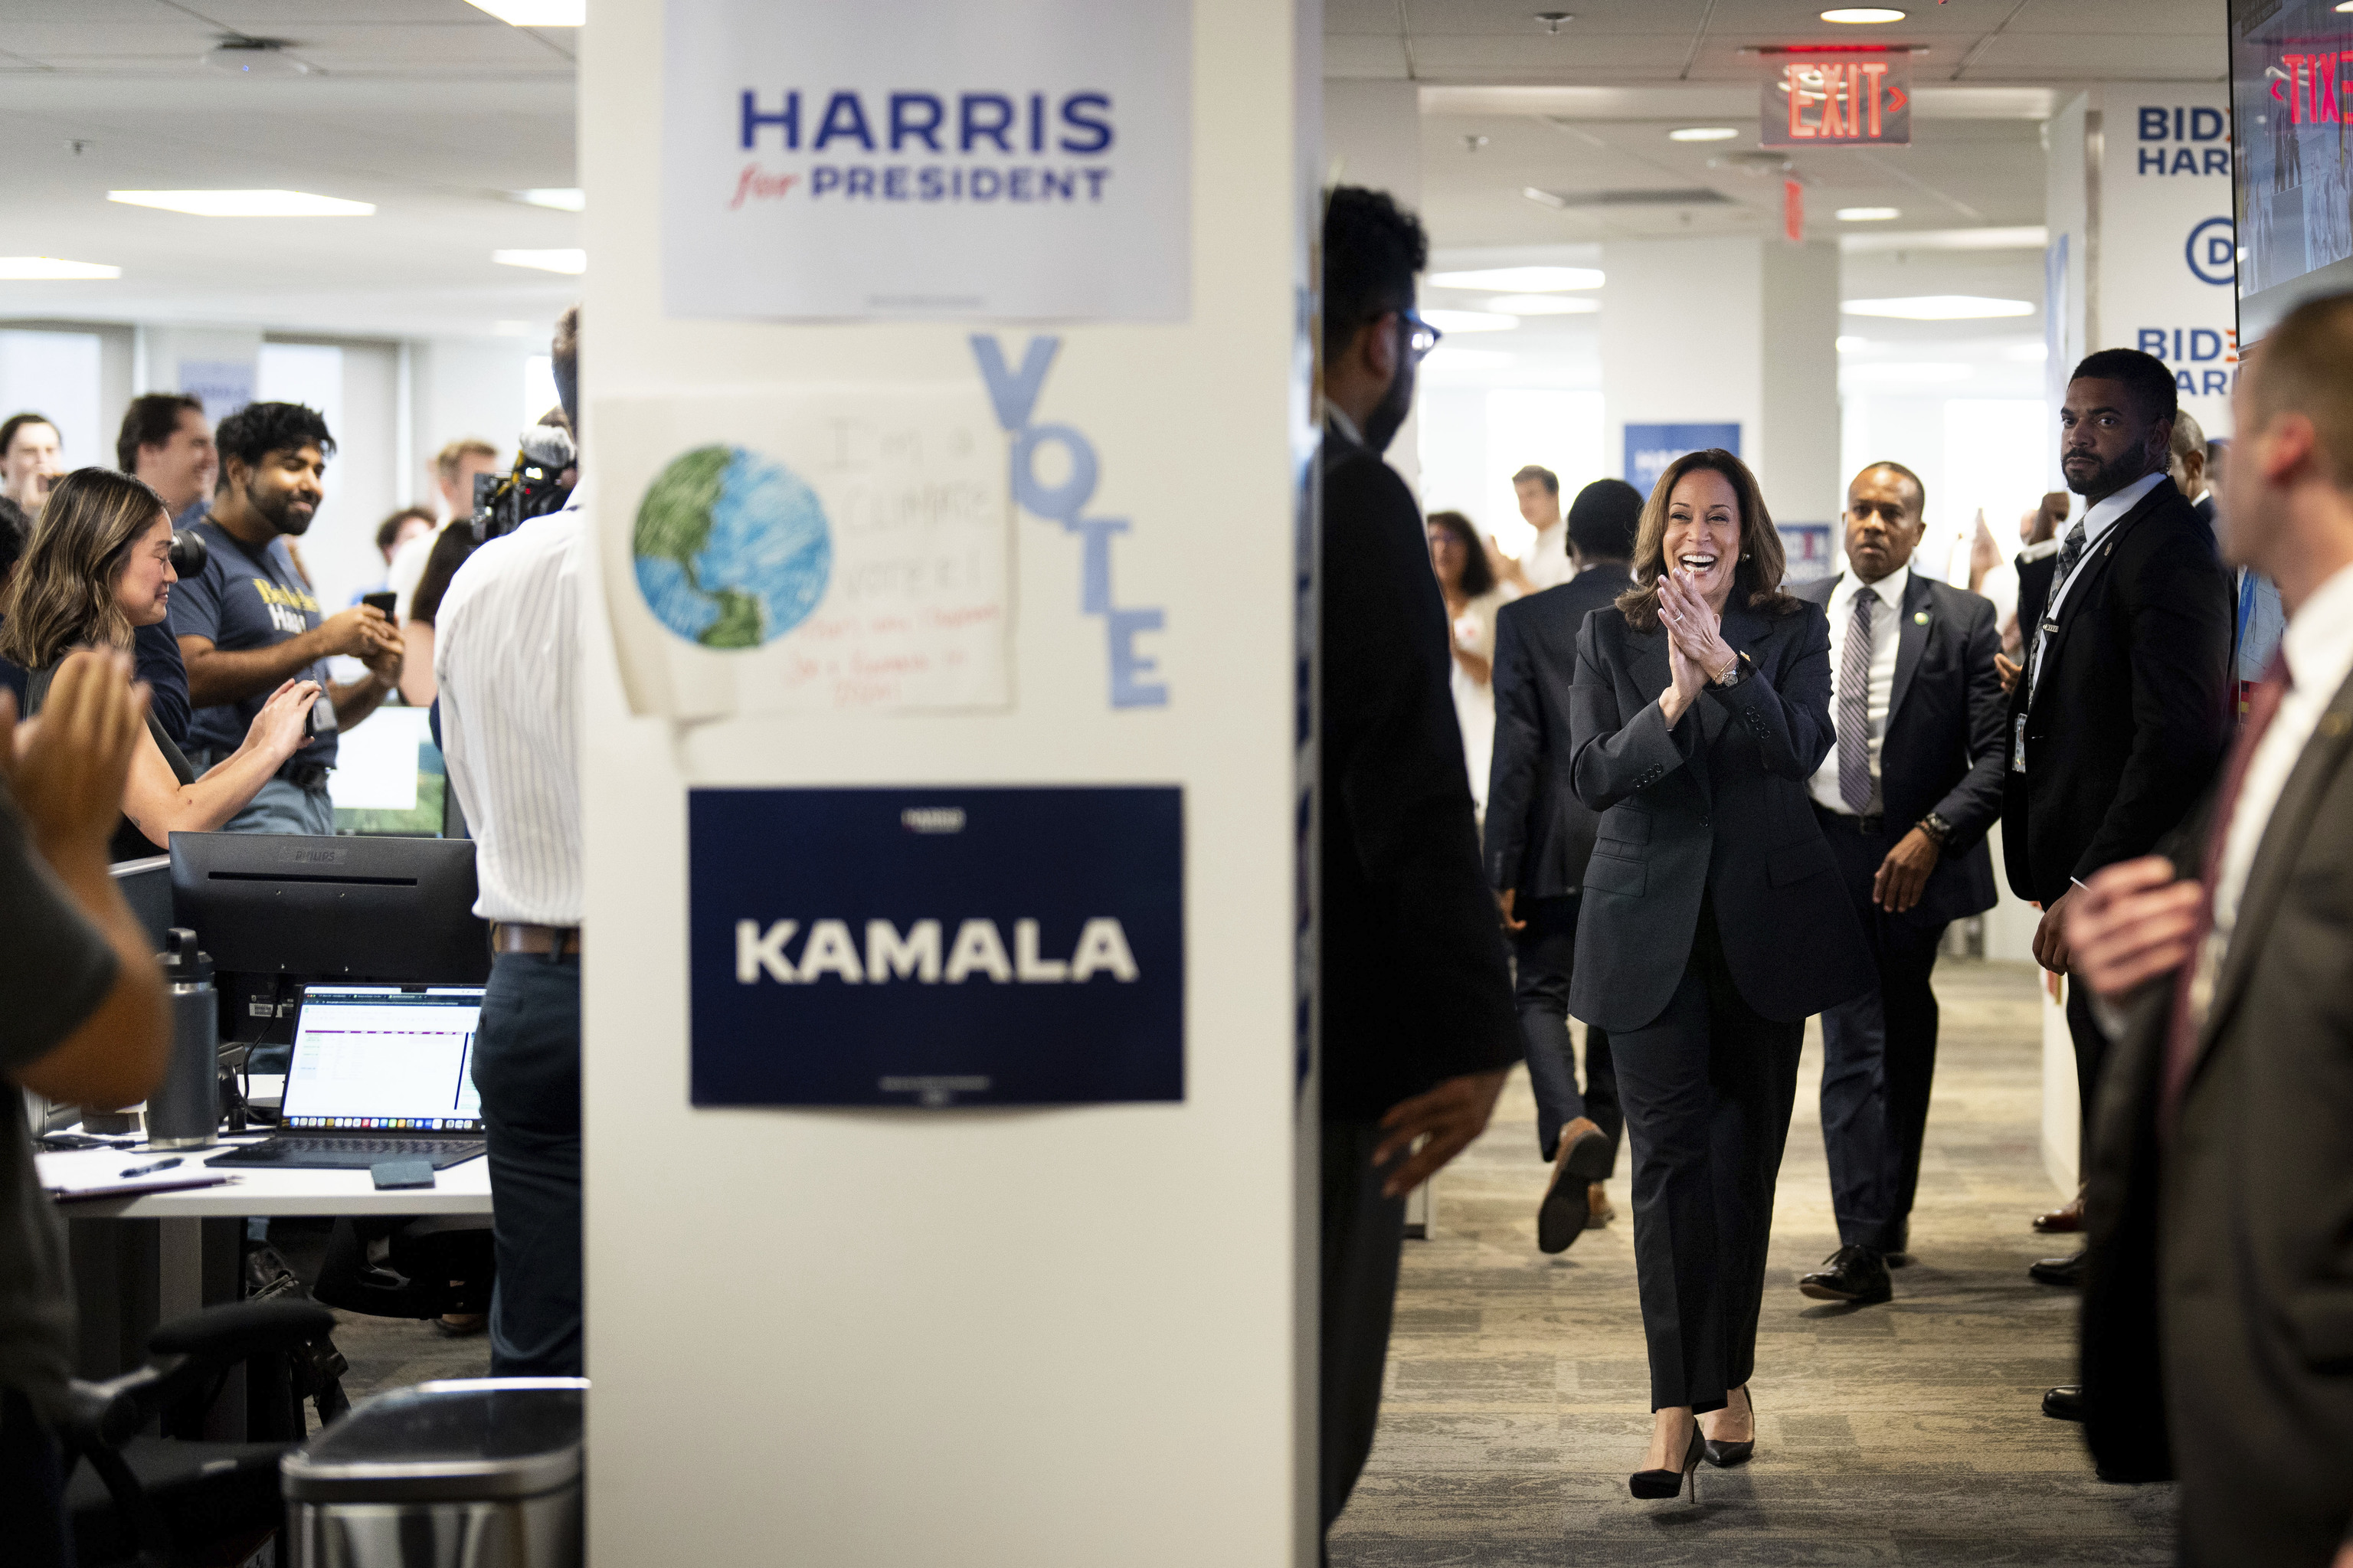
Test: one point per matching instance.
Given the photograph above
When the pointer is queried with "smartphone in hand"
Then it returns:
(382, 603)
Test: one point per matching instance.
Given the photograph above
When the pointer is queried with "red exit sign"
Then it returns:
(1838, 99)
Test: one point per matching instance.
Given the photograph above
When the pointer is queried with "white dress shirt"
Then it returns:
(1546, 563)
(2098, 520)
(506, 652)
(2319, 647)
(1886, 631)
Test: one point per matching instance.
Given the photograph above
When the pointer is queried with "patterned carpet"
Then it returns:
(1517, 1397)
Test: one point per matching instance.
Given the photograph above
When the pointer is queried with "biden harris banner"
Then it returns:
(936, 947)
(911, 160)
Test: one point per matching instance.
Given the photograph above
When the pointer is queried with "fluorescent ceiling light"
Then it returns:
(1544, 197)
(1544, 304)
(1940, 308)
(1868, 213)
(1848, 343)
(536, 13)
(45, 269)
(1470, 321)
(245, 203)
(1835, 13)
(1915, 370)
(2030, 236)
(1520, 280)
(1702, 134)
(565, 199)
(572, 260)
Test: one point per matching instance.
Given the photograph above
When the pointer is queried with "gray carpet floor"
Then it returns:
(1517, 1396)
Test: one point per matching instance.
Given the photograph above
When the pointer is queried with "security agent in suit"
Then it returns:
(2218, 1310)
(1904, 798)
(1714, 923)
(1416, 1028)
(1539, 838)
(2123, 709)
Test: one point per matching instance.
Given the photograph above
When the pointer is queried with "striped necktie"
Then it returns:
(1854, 709)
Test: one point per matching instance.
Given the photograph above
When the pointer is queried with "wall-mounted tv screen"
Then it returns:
(2292, 119)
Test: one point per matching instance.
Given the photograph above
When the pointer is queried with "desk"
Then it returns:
(461, 1189)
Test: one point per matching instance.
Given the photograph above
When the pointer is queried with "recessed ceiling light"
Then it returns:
(1940, 308)
(1868, 213)
(1702, 134)
(1544, 304)
(1470, 321)
(1520, 280)
(564, 199)
(242, 55)
(1544, 197)
(36, 269)
(572, 260)
(245, 203)
(1835, 13)
(536, 13)
(1848, 343)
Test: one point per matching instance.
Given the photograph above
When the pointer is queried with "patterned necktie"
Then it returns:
(2070, 552)
(1854, 709)
(2189, 1016)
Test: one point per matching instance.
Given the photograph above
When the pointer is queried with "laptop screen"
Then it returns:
(385, 1058)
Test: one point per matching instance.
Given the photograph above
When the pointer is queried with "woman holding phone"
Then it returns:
(1713, 923)
(99, 567)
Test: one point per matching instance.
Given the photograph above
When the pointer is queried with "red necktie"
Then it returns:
(2183, 1027)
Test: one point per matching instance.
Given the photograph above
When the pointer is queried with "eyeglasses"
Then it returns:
(1420, 336)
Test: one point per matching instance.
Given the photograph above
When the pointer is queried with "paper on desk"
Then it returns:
(98, 1174)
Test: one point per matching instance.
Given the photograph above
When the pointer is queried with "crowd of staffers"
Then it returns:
(1719, 804)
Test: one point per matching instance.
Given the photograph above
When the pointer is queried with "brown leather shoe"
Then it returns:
(1581, 1157)
(2062, 1221)
(1598, 1211)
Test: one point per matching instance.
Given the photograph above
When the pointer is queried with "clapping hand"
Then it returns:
(68, 779)
(1696, 651)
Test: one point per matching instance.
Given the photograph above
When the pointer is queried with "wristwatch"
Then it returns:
(1734, 672)
(1936, 828)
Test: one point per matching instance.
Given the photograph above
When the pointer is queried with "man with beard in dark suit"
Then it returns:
(1904, 798)
(1539, 838)
(1416, 1030)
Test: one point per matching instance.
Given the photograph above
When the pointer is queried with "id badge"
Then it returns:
(2017, 745)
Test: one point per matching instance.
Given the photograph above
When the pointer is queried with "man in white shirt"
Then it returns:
(1905, 800)
(2221, 1196)
(1546, 563)
(507, 657)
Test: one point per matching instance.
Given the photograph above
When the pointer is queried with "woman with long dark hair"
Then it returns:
(99, 567)
(1466, 579)
(1713, 923)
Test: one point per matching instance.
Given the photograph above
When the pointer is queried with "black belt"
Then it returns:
(1870, 827)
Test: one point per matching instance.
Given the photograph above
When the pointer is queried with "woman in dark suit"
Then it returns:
(1714, 922)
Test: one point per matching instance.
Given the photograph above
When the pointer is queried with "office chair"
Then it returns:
(172, 1502)
(422, 1268)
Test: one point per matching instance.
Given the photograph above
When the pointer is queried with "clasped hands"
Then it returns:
(1696, 651)
(2131, 923)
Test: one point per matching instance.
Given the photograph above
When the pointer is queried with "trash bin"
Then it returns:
(466, 1473)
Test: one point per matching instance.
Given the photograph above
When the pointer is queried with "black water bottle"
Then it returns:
(184, 1110)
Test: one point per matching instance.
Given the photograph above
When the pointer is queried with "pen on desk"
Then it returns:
(148, 1170)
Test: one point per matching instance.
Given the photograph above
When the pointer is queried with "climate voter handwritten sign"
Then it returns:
(1013, 160)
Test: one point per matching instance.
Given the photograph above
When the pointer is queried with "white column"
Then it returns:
(1372, 137)
(1059, 1336)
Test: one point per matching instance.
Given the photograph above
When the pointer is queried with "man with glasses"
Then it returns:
(1418, 1027)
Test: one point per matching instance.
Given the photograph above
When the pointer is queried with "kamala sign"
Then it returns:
(916, 160)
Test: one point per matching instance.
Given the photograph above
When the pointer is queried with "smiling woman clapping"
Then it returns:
(1713, 922)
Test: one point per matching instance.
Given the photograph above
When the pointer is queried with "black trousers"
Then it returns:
(1362, 1233)
(35, 1531)
(527, 1067)
(2091, 1052)
(1544, 962)
(1709, 1087)
(1879, 1055)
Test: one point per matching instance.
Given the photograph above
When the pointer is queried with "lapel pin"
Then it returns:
(1919, 618)
(2335, 723)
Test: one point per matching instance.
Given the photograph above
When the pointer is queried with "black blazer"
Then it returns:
(1413, 981)
(1539, 834)
(2033, 592)
(1943, 750)
(1716, 807)
(2134, 706)
(2220, 1270)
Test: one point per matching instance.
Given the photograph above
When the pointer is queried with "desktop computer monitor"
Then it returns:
(398, 909)
(146, 886)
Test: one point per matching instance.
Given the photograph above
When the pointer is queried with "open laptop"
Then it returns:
(379, 1072)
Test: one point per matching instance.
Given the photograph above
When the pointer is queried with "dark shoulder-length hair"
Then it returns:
(1756, 577)
(1478, 572)
(62, 593)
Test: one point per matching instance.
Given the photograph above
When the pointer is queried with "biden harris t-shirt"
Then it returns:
(247, 596)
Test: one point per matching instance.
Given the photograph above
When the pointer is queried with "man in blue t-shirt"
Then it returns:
(248, 622)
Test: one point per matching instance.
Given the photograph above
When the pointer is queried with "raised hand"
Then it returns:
(68, 778)
(281, 726)
(1692, 624)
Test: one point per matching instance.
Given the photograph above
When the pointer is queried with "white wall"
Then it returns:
(461, 387)
(1372, 136)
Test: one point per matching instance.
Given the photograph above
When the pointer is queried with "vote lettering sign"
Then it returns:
(862, 947)
(1837, 97)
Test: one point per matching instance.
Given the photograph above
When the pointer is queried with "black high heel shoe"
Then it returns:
(1723, 1456)
(1653, 1485)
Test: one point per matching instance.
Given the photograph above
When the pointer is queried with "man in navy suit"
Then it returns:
(1539, 838)
(1904, 798)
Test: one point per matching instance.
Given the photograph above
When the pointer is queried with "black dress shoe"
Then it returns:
(1857, 1274)
(1580, 1159)
(2065, 1403)
(2067, 1273)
